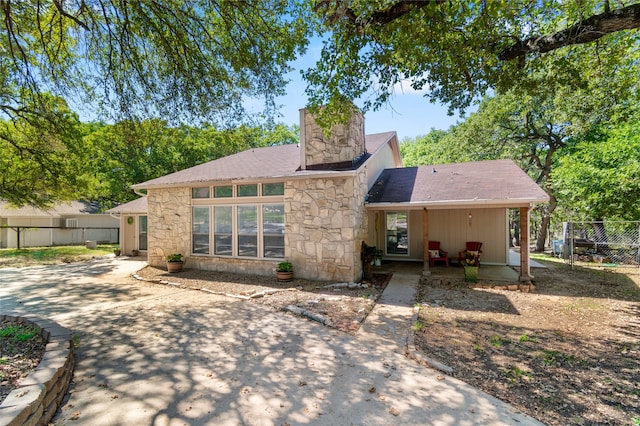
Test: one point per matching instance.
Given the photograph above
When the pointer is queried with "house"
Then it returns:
(315, 203)
(65, 223)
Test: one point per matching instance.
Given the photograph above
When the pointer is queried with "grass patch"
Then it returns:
(418, 326)
(516, 374)
(18, 333)
(48, 255)
(497, 341)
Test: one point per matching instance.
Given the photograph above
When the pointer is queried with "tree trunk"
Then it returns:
(544, 223)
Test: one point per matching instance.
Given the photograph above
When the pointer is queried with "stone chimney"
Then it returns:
(342, 150)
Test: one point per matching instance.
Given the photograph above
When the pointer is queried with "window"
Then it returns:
(200, 192)
(273, 230)
(248, 231)
(142, 232)
(248, 190)
(273, 189)
(397, 235)
(201, 230)
(223, 191)
(230, 220)
(223, 230)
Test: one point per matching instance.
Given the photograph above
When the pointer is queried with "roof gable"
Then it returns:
(139, 205)
(257, 163)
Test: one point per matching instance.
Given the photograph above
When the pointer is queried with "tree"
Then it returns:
(599, 174)
(457, 50)
(424, 150)
(130, 152)
(146, 58)
(41, 155)
(189, 59)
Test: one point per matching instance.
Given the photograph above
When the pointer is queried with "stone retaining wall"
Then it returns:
(40, 394)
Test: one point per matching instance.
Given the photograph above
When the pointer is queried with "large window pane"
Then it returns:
(200, 230)
(223, 191)
(142, 233)
(397, 235)
(223, 230)
(273, 230)
(200, 192)
(273, 188)
(248, 190)
(248, 231)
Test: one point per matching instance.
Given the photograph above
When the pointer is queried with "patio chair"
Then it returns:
(437, 255)
(473, 248)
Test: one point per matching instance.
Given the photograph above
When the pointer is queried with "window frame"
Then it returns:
(236, 203)
(387, 235)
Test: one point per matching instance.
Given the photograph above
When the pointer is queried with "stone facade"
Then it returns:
(169, 224)
(344, 145)
(325, 218)
(325, 225)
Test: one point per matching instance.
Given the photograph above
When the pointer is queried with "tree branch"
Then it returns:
(585, 31)
(380, 17)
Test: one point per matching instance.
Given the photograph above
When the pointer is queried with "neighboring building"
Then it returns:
(315, 203)
(65, 223)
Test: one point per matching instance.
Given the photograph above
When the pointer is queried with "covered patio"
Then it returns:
(453, 204)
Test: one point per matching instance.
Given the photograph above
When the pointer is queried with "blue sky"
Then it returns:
(409, 113)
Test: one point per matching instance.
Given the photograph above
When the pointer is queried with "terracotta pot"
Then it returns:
(174, 266)
(284, 276)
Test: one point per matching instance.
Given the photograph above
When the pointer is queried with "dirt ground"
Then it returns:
(18, 356)
(567, 354)
(339, 305)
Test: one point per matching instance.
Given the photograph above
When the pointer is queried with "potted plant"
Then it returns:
(135, 252)
(471, 264)
(284, 271)
(174, 262)
(117, 251)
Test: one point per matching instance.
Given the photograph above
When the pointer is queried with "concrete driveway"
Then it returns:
(157, 355)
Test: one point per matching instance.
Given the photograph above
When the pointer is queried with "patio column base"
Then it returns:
(525, 279)
(426, 273)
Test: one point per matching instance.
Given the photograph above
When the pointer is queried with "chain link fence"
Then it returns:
(609, 242)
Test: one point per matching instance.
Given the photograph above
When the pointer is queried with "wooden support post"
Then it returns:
(525, 271)
(425, 242)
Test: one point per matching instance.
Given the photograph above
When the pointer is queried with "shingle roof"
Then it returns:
(139, 205)
(65, 208)
(256, 163)
(483, 182)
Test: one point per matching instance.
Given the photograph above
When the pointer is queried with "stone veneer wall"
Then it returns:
(169, 224)
(325, 224)
(345, 143)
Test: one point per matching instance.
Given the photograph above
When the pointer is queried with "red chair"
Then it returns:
(473, 248)
(436, 254)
